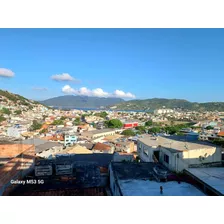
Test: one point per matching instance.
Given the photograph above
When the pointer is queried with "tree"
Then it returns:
(77, 121)
(2, 119)
(209, 128)
(43, 131)
(154, 130)
(128, 132)
(219, 142)
(44, 117)
(172, 130)
(106, 124)
(6, 111)
(141, 129)
(18, 112)
(115, 123)
(58, 122)
(35, 126)
(102, 114)
(149, 123)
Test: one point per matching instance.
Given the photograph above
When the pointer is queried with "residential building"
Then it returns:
(130, 124)
(70, 140)
(103, 148)
(127, 146)
(177, 154)
(48, 149)
(99, 133)
(163, 111)
(16, 131)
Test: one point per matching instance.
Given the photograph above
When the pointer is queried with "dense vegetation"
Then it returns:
(128, 132)
(156, 103)
(77, 121)
(35, 126)
(43, 131)
(149, 123)
(101, 114)
(18, 112)
(2, 118)
(141, 129)
(175, 129)
(209, 128)
(81, 101)
(114, 123)
(58, 122)
(219, 142)
(5, 111)
(17, 99)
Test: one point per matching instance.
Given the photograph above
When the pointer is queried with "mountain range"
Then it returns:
(71, 101)
(156, 103)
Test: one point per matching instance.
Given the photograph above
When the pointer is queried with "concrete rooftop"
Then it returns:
(152, 188)
(212, 176)
(176, 144)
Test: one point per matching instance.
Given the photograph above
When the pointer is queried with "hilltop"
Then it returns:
(156, 103)
(8, 99)
(71, 101)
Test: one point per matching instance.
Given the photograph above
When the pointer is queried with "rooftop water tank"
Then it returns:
(192, 136)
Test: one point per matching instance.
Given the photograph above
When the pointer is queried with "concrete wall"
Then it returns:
(145, 152)
(172, 165)
(104, 134)
(113, 183)
(199, 156)
(16, 169)
(180, 160)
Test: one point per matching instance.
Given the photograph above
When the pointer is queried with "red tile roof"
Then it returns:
(221, 133)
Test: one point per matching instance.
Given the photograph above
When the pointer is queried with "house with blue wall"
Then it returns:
(70, 140)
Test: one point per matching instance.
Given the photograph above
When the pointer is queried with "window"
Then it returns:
(166, 158)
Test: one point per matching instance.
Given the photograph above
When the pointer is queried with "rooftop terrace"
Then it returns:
(137, 179)
(152, 188)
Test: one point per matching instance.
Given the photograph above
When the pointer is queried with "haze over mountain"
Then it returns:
(71, 101)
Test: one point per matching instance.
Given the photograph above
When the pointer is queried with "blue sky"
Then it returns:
(142, 63)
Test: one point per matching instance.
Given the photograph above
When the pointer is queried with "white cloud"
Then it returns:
(41, 89)
(100, 93)
(4, 72)
(96, 92)
(63, 78)
(122, 94)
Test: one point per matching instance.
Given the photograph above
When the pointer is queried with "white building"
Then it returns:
(163, 111)
(100, 133)
(177, 155)
(16, 131)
